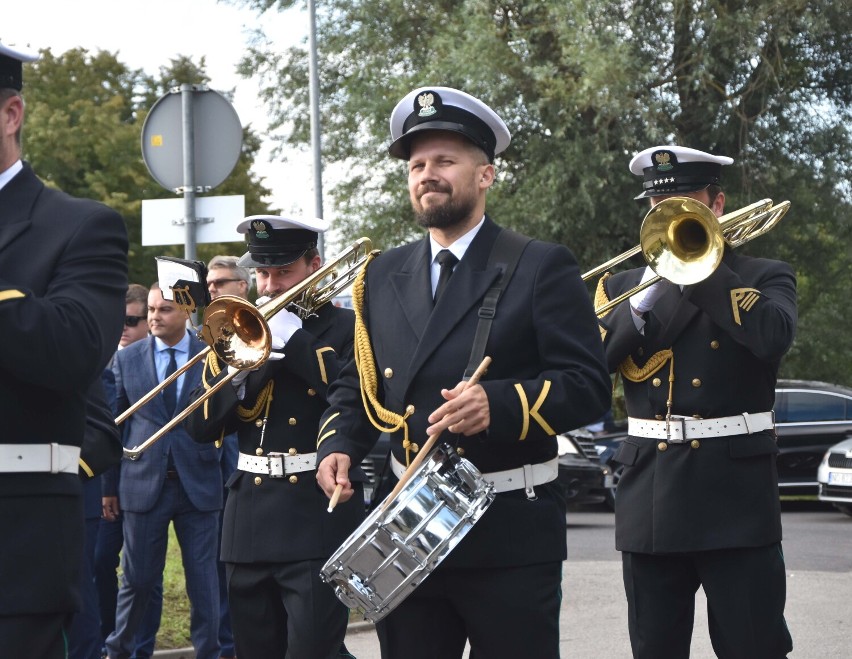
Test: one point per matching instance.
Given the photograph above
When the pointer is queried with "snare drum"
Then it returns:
(402, 541)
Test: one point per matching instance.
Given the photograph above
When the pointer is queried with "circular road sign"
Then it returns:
(217, 132)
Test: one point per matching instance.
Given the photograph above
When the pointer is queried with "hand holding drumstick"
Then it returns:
(459, 416)
(467, 415)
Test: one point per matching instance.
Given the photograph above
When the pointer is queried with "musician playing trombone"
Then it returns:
(698, 501)
(500, 587)
(276, 532)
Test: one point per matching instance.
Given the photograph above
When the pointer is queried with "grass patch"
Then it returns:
(174, 624)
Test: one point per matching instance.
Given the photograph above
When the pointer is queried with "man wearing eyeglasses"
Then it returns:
(225, 277)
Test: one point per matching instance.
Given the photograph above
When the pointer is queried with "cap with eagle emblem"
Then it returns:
(274, 240)
(444, 108)
(673, 169)
(11, 66)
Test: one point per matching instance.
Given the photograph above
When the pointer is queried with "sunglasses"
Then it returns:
(219, 282)
(133, 321)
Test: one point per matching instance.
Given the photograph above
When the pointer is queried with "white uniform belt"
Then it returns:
(277, 465)
(47, 458)
(683, 429)
(519, 478)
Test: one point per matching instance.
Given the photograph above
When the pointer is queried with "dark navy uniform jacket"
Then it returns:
(63, 277)
(727, 335)
(547, 376)
(281, 519)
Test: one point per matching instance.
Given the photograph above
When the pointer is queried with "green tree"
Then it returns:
(82, 134)
(583, 85)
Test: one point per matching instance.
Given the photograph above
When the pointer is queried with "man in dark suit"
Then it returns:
(500, 586)
(174, 480)
(110, 532)
(63, 272)
(277, 533)
(698, 500)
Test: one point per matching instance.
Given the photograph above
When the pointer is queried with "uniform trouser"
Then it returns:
(745, 589)
(280, 609)
(40, 556)
(505, 613)
(37, 636)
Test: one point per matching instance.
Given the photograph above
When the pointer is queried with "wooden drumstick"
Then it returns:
(430, 442)
(335, 497)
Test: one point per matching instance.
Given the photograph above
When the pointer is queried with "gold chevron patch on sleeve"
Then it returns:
(10, 295)
(323, 374)
(534, 412)
(745, 299)
(525, 412)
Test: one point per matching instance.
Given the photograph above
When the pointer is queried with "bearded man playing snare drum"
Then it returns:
(500, 586)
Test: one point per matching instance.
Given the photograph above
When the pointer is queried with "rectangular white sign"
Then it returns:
(218, 217)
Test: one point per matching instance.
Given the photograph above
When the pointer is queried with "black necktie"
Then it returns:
(170, 392)
(447, 261)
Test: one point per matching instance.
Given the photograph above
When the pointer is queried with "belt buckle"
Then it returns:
(269, 458)
(673, 440)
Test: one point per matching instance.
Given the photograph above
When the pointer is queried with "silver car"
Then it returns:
(835, 476)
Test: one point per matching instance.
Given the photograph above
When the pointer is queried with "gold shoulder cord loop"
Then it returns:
(366, 364)
(264, 401)
(211, 364)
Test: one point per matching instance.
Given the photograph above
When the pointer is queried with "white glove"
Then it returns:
(240, 376)
(262, 300)
(277, 343)
(284, 324)
(238, 382)
(644, 300)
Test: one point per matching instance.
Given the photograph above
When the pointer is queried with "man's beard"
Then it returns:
(451, 213)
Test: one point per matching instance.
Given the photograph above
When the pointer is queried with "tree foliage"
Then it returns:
(584, 84)
(84, 117)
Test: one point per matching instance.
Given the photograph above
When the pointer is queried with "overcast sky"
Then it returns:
(147, 34)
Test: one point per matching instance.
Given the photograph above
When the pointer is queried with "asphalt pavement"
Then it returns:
(593, 623)
(593, 620)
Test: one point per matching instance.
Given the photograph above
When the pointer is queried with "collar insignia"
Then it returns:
(745, 299)
(426, 101)
(261, 229)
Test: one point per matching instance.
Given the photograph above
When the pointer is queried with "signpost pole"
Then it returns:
(313, 89)
(190, 248)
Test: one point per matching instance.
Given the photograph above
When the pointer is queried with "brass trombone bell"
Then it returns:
(236, 331)
(682, 241)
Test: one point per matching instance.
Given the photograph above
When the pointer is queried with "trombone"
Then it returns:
(238, 333)
(683, 241)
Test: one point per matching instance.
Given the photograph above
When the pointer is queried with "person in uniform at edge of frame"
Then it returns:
(500, 587)
(698, 501)
(277, 533)
(63, 273)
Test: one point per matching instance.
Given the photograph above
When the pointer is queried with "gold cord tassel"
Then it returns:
(264, 399)
(366, 364)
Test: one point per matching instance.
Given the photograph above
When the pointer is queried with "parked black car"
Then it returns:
(583, 479)
(810, 417)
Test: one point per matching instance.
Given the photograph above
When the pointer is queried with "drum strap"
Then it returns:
(505, 254)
